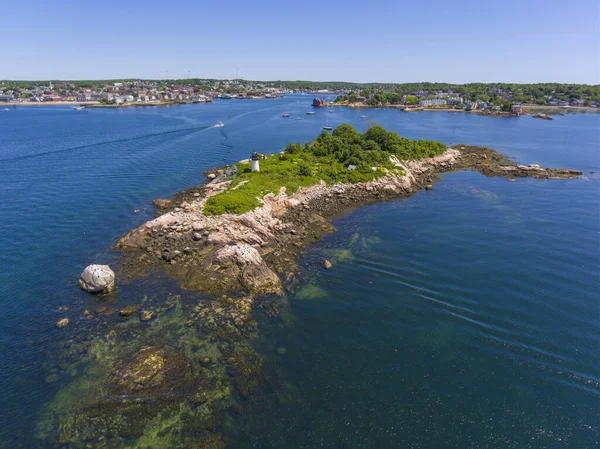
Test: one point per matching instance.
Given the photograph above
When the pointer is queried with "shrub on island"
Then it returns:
(344, 156)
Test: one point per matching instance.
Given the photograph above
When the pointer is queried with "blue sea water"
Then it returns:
(463, 317)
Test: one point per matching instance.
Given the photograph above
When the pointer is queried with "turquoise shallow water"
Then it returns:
(462, 317)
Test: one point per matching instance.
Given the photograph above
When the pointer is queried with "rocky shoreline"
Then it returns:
(254, 253)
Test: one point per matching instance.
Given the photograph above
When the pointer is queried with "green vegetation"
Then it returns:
(380, 94)
(328, 159)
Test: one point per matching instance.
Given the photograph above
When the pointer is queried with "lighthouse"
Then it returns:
(255, 166)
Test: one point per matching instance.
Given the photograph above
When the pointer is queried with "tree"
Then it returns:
(411, 100)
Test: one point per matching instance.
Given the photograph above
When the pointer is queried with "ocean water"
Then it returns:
(462, 317)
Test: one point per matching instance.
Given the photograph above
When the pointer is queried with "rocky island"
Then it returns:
(172, 370)
(242, 234)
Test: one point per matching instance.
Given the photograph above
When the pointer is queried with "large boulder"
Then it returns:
(245, 263)
(97, 279)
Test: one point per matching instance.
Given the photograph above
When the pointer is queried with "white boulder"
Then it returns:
(97, 279)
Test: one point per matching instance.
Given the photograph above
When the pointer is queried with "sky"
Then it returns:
(456, 41)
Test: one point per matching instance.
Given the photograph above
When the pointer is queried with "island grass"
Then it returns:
(327, 159)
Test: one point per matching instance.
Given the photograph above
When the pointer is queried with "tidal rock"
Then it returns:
(62, 323)
(97, 279)
(129, 310)
(146, 315)
(326, 264)
(211, 176)
(429, 187)
(161, 204)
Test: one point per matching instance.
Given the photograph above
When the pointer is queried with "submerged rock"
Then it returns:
(146, 370)
(146, 315)
(62, 323)
(129, 310)
(97, 279)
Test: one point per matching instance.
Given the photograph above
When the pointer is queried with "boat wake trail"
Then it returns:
(228, 146)
(185, 131)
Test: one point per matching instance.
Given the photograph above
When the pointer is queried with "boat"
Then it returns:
(331, 110)
(219, 125)
(363, 116)
(310, 113)
(6, 109)
(299, 118)
(285, 115)
(225, 97)
(79, 108)
(328, 128)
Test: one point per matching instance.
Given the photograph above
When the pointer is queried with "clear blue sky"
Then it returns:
(391, 41)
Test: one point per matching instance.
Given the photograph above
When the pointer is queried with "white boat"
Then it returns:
(310, 113)
(79, 108)
(285, 115)
(363, 116)
(6, 109)
(219, 125)
(331, 110)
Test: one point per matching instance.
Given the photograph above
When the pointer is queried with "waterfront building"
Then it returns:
(432, 102)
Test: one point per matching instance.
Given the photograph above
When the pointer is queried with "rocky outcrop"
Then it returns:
(245, 252)
(97, 279)
(244, 263)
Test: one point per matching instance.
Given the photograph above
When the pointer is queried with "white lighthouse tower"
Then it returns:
(255, 166)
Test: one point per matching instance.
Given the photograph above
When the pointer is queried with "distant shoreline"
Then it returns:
(48, 103)
(525, 108)
(96, 104)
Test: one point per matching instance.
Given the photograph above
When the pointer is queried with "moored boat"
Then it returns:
(285, 115)
(310, 113)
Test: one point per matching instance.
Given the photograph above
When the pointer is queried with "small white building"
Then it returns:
(255, 165)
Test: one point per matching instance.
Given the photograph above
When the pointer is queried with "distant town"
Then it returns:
(493, 97)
